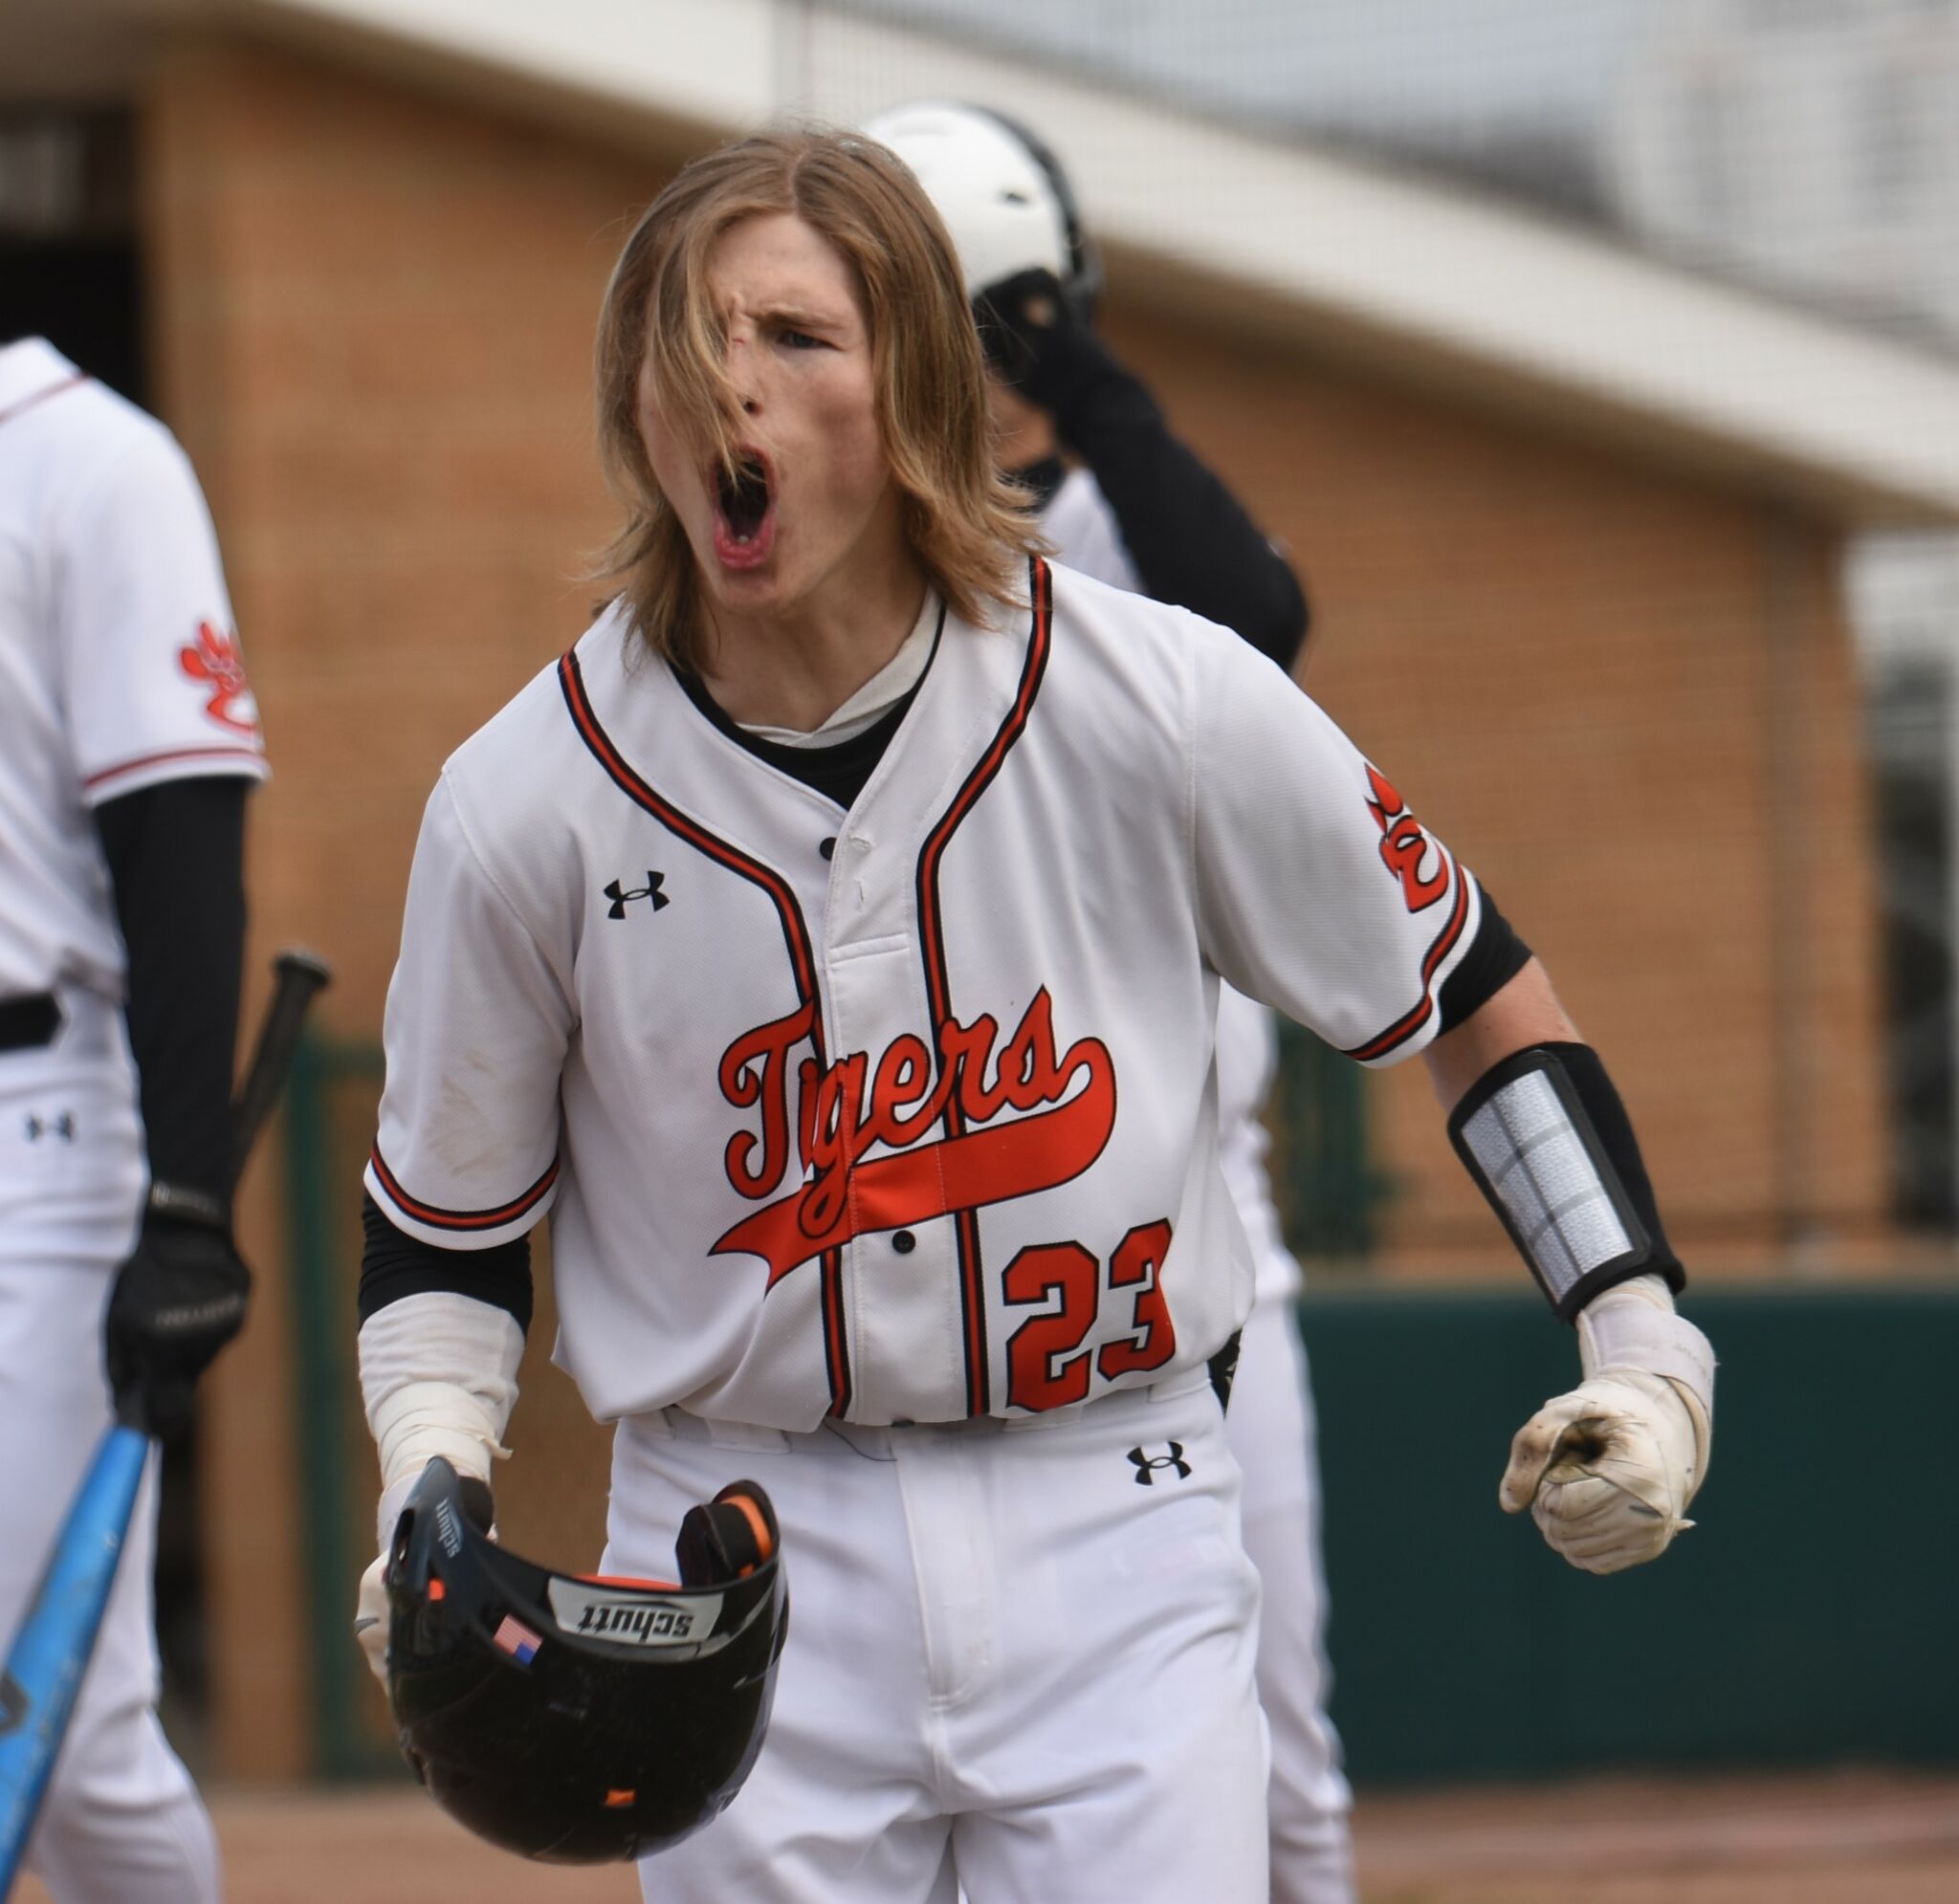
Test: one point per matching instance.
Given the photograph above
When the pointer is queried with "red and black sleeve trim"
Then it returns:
(438, 1218)
(794, 939)
(1411, 1022)
(931, 946)
(248, 760)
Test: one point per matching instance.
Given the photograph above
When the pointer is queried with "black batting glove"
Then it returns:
(178, 1300)
(1038, 344)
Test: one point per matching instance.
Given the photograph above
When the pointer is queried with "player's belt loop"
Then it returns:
(685, 1426)
(29, 1022)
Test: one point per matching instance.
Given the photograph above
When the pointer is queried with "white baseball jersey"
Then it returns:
(907, 1113)
(118, 666)
(1080, 524)
(117, 670)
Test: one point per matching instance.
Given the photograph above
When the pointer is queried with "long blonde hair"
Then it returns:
(969, 527)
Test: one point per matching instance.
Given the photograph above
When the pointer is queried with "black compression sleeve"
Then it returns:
(1496, 956)
(1190, 538)
(176, 862)
(394, 1264)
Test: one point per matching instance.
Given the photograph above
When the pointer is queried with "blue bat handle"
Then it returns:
(50, 1651)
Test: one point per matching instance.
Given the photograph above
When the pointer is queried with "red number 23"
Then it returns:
(1047, 1366)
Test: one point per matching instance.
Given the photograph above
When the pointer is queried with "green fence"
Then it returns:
(1808, 1619)
(332, 1093)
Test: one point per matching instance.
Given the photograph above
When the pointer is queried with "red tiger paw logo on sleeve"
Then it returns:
(213, 658)
(1406, 851)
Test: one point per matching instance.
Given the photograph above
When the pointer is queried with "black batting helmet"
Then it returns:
(581, 1721)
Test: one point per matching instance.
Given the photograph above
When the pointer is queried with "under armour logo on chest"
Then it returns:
(61, 1125)
(623, 896)
(1146, 1466)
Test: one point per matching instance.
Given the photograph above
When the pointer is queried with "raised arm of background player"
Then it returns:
(1187, 537)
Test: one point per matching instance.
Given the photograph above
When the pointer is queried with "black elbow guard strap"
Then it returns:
(1548, 1143)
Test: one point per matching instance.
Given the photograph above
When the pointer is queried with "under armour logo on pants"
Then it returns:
(1147, 1465)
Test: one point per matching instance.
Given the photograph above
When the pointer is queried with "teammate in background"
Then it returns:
(1140, 512)
(830, 943)
(128, 742)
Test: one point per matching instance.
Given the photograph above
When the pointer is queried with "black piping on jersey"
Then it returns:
(438, 1218)
(1406, 1026)
(937, 982)
(795, 936)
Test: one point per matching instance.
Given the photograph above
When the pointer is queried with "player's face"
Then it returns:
(816, 514)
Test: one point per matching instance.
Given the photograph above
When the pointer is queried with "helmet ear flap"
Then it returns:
(728, 1538)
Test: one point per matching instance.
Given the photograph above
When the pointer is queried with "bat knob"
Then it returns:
(302, 962)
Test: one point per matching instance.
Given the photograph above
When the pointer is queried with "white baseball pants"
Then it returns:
(1272, 1432)
(1020, 1659)
(122, 1820)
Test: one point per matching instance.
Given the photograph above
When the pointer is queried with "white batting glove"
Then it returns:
(370, 1609)
(1608, 1470)
(371, 1619)
(438, 1374)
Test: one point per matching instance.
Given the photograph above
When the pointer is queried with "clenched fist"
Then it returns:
(1608, 1470)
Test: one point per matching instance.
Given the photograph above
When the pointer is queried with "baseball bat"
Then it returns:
(51, 1650)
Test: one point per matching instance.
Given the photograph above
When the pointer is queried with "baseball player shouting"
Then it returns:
(1033, 273)
(130, 742)
(831, 942)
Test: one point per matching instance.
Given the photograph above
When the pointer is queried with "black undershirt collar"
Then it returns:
(838, 771)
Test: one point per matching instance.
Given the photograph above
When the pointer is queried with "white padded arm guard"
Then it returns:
(1608, 1470)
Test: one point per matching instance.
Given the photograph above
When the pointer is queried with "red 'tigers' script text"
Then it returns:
(851, 1108)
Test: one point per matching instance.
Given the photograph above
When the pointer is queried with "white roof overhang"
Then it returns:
(1238, 231)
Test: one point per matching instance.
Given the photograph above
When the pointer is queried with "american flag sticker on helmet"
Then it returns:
(517, 1639)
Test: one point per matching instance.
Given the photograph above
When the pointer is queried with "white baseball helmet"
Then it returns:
(1002, 192)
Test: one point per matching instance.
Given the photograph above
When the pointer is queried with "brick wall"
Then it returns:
(1625, 697)
(1627, 700)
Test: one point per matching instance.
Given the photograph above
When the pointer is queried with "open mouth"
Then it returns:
(742, 503)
